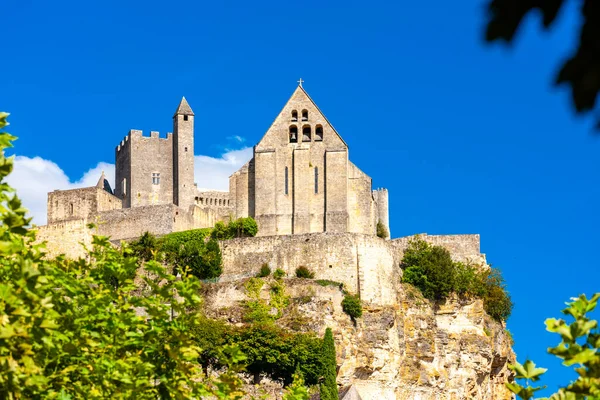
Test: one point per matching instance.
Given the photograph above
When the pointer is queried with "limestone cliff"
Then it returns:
(410, 350)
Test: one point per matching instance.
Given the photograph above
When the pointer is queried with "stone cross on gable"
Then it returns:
(300, 82)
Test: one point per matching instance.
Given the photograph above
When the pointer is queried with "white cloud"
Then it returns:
(212, 173)
(34, 177)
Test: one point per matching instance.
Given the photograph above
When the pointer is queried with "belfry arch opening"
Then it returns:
(294, 116)
(304, 115)
(293, 134)
(306, 133)
(318, 133)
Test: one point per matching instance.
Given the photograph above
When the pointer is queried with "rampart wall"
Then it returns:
(365, 264)
(129, 223)
(65, 237)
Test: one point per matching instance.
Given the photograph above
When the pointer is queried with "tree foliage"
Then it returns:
(432, 270)
(579, 347)
(329, 388)
(581, 72)
(79, 329)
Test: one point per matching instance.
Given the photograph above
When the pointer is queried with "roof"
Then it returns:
(300, 88)
(184, 108)
(104, 184)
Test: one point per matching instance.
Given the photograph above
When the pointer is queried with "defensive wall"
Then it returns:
(65, 237)
(366, 264)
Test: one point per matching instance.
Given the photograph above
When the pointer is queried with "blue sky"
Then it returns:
(468, 138)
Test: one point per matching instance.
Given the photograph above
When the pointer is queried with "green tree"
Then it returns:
(429, 268)
(329, 388)
(579, 346)
(581, 72)
(146, 247)
(80, 329)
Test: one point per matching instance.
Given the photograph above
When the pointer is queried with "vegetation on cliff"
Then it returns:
(431, 269)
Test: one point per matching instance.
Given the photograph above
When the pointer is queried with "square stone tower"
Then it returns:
(184, 189)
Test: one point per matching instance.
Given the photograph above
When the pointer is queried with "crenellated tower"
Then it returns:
(184, 189)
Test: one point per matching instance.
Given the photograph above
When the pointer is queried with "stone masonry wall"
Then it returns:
(79, 203)
(65, 237)
(365, 264)
(130, 223)
(137, 158)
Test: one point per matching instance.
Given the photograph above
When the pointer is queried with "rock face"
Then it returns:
(410, 350)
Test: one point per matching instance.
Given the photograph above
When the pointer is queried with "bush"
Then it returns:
(430, 268)
(303, 272)
(146, 247)
(382, 230)
(432, 271)
(264, 271)
(279, 273)
(352, 306)
(274, 352)
(203, 260)
(220, 231)
(243, 227)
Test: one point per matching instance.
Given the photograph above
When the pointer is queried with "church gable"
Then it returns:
(300, 122)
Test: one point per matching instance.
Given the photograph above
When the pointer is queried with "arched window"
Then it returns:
(306, 133)
(294, 116)
(293, 134)
(286, 181)
(316, 180)
(304, 115)
(318, 133)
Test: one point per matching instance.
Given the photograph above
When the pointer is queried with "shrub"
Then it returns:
(203, 260)
(496, 300)
(279, 273)
(430, 268)
(352, 306)
(274, 352)
(264, 271)
(145, 247)
(326, 282)
(243, 227)
(303, 272)
(382, 230)
(432, 271)
(221, 231)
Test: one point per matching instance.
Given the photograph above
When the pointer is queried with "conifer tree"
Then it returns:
(329, 389)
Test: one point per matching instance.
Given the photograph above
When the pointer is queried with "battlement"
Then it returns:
(136, 134)
(212, 198)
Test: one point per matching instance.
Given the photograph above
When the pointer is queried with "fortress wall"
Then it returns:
(106, 201)
(128, 223)
(336, 191)
(360, 201)
(382, 211)
(151, 155)
(334, 256)
(71, 204)
(463, 248)
(65, 237)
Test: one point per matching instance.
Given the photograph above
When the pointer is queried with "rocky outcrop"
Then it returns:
(412, 349)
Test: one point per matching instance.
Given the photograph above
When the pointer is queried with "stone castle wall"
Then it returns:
(365, 264)
(79, 203)
(137, 158)
(463, 248)
(65, 237)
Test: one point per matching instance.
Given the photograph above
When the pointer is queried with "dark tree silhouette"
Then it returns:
(581, 72)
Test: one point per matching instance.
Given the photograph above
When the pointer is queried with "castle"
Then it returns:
(299, 180)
